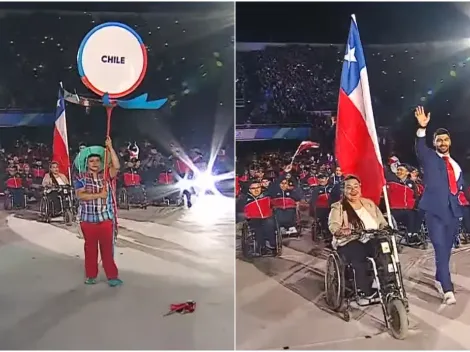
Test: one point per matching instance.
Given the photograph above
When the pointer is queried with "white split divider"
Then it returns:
(64, 242)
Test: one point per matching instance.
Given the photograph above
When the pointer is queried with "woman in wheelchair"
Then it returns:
(52, 182)
(354, 213)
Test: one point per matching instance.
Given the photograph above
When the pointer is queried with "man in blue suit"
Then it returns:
(442, 181)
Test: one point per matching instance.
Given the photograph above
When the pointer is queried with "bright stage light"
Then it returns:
(205, 181)
(184, 184)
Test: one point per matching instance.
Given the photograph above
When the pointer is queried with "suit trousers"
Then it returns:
(442, 233)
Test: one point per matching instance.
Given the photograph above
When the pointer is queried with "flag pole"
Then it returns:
(295, 154)
(384, 188)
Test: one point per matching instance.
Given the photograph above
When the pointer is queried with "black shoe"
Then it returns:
(189, 204)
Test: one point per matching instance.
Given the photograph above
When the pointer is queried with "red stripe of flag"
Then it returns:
(60, 145)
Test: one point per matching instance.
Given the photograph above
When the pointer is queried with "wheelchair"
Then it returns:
(401, 231)
(318, 232)
(126, 199)
(403, 238)
(298, 225)
(301, 222)
(47, 208)
(175, 200)
(250, 247)
(463, 233)
(8, 200)
(341, 288)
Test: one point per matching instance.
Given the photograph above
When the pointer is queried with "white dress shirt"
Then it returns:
(369, 222)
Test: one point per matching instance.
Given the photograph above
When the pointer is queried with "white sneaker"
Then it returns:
(438, 287)
(449, 298)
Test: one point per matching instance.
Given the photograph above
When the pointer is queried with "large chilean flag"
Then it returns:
(357, 147)
(60, 144)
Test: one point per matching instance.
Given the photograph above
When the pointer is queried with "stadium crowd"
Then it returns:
(289, 83)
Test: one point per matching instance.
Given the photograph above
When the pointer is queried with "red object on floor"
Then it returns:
(182, 308)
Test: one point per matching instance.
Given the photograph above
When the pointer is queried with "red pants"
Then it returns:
(99, 233)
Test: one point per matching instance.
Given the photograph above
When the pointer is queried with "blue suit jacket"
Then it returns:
(437, 199)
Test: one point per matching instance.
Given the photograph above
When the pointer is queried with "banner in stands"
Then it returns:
(264, 133)
(20, 118)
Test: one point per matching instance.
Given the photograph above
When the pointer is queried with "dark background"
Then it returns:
(328, 22)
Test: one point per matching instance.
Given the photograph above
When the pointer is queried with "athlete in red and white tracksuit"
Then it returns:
(284, 201)
(259, 214)
(403, 195)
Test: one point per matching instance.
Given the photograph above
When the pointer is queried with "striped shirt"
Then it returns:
(95, 210)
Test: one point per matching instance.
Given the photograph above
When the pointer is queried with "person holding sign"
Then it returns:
(96, 212)
(442, 182)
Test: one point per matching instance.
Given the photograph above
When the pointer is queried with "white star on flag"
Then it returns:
(350, 55)
(58, 102)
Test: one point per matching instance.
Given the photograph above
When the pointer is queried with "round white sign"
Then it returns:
(112, 59)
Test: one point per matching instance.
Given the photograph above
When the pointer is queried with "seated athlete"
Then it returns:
(55, 179)
(319, 201)
(355, 213)
(285, 201)
(258, 212)
(403, 194)
(132, 181)
(14, 185)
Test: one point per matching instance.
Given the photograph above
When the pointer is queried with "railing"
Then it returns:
(25, 111)
(260, 125)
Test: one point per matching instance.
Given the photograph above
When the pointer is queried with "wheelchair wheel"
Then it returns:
(278, 242)
(123, 200)
(8, 202)
(398, 318)
(335, 283)
(25, 201)
(424, 243)
(45, 210)
(316, 230)
(68, 217)
(245, 240)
